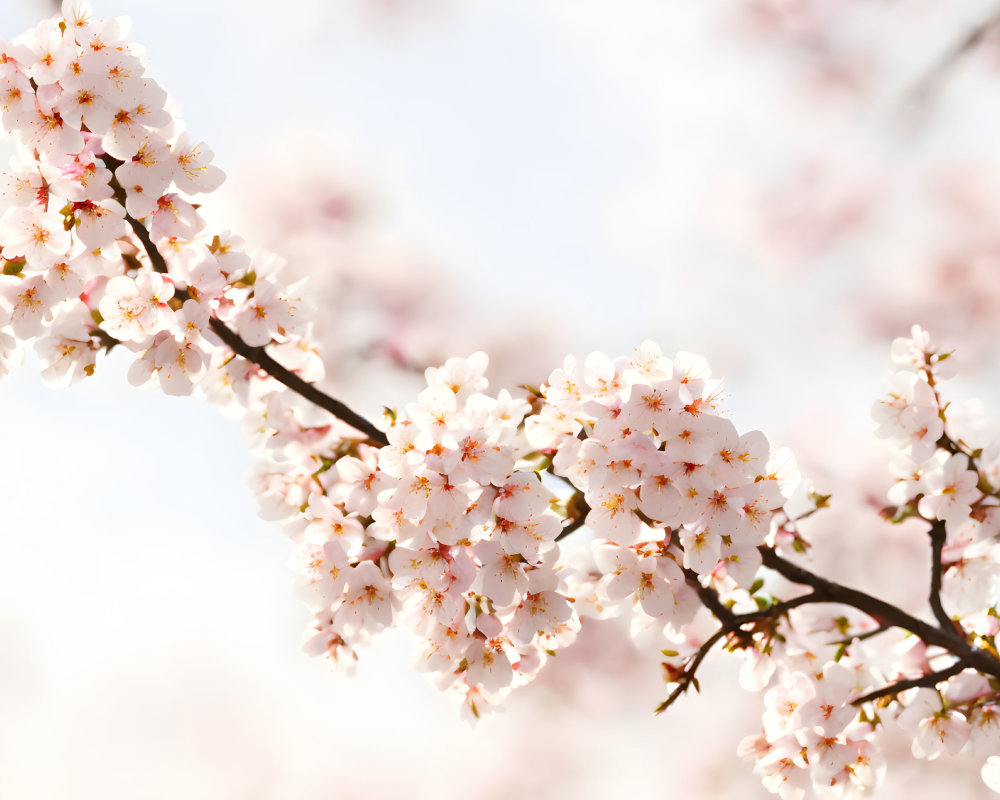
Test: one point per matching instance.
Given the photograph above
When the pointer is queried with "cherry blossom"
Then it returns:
(495, 525)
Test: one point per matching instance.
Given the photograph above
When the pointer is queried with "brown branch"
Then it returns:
(256, 355)
(860, 637)
(929, 680)
(710, 599)
(947, 638)
(260, 357)
(778, 609)
(937, 534)
(731, 623)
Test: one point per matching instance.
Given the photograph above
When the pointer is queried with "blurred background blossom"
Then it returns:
(779, 185)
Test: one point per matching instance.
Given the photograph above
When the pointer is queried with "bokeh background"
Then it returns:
(779, 185)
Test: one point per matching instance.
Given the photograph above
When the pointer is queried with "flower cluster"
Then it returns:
(451, 519)
(667, 478)
(464, 535)
(837, 682)
(101, 242)
(814, 742)
(450, 530)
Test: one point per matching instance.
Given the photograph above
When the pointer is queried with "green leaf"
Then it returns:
(756, 585)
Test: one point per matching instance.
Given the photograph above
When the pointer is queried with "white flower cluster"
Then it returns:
(451, 529)
(819, 741)
(667, 478)
(450, 524)
(954, 485)
(814, 743)
(102, 177)
(821, 736)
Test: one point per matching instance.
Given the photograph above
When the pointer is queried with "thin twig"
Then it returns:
(731, 623)
(860, 637)
(931, 679)
(688, 677)
(778, 609)
(934, 77)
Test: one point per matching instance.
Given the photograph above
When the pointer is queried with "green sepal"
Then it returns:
(820, 500)
(14, 267)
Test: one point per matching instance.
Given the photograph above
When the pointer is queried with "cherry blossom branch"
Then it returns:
(731, 623)
(688, 677)
(937, 534)
(947, 638)
(930, 680)
(860, 637)
(260, 357)
(256, 355)
(825, 591)
(778, 609)
(710, 599)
